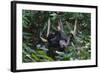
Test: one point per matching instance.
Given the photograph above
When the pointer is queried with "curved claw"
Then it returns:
(43, 39)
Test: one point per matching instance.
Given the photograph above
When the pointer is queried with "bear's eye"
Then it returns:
(65, 40)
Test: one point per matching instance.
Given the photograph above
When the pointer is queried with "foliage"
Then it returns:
(35, 22)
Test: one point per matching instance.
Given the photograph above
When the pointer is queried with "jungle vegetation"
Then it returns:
(35, 25)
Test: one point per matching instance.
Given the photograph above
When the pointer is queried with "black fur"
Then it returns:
(57, 40)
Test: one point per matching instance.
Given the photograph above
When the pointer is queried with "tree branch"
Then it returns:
(75, 27)
(48, 29)
(61, 25)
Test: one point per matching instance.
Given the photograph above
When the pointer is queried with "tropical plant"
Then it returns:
(35, 23)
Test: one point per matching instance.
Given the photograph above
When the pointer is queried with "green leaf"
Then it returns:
(35, 57)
